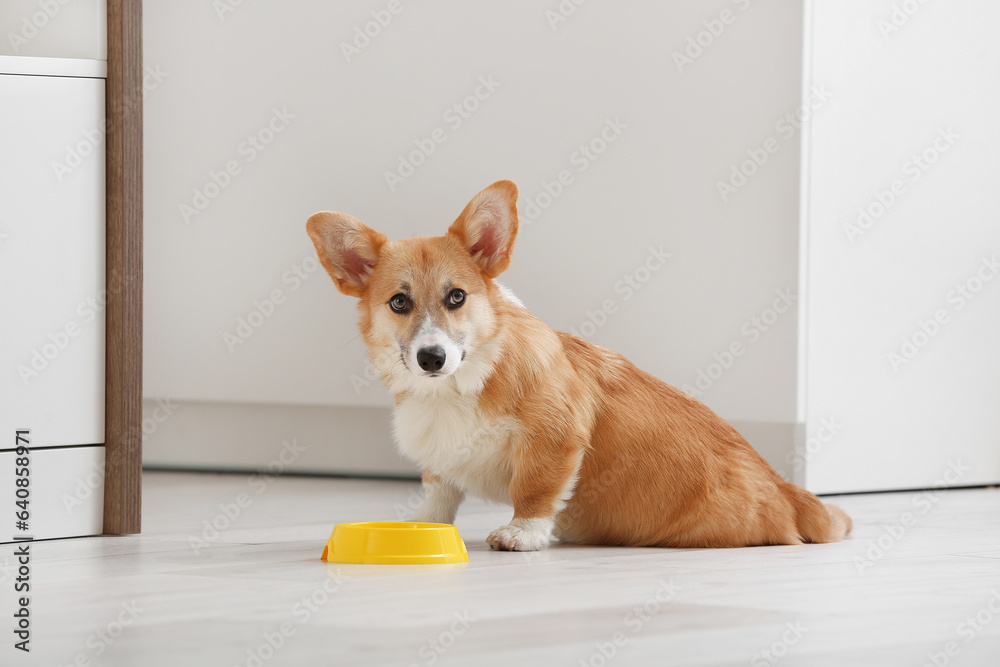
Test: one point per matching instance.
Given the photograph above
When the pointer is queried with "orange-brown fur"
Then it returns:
(655, 467)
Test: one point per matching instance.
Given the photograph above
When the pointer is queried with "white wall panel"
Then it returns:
(915, 102)
(52, 258)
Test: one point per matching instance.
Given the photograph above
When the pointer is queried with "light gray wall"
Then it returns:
(341, 125)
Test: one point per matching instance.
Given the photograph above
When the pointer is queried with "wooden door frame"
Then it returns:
(123, 360)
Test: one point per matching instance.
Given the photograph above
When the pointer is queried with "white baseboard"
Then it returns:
(325, 439)
(65, 492)
(286, 438)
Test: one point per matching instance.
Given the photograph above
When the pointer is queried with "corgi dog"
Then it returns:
(490, 401)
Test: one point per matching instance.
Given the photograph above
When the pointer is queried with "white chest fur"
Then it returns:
(449, 435)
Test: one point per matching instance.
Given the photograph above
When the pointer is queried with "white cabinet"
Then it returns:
(901, 246)
(54, 28)
(52, 258)
(52, 278)
(66, 492)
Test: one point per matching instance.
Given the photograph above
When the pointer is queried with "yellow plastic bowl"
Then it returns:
(395, 542)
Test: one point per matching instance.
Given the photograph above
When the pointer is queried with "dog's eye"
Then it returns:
(456, 298)
(399, 303)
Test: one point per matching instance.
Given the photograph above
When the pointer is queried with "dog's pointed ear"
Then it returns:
(488, 225)
(347, 248)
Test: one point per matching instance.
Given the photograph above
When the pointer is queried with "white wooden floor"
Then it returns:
(929, 595)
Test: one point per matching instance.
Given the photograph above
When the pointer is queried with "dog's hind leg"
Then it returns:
(815, 521)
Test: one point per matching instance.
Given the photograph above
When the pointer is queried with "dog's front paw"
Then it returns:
(521, 535)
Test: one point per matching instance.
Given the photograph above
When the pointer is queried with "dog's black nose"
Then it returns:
(431, 358)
